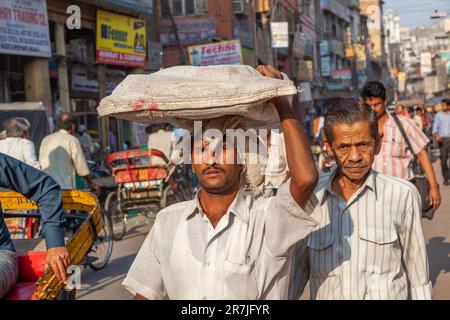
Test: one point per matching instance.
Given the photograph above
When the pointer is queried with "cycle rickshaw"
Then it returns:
(141, 187)
(36, 282)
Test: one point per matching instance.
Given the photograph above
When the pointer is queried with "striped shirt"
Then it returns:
(371, 247)
(246, 256)
(395, 158)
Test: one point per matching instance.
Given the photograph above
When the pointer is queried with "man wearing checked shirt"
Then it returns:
(369, 242)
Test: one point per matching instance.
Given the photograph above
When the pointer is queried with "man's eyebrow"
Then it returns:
(344, 145)
(356, 144)
(363, 142)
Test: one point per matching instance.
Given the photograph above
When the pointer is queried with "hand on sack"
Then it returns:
(271, 72)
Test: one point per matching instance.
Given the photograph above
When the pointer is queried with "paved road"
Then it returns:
(105, 284)
(437, 235)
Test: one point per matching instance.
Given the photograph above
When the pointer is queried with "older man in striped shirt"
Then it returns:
(369, 242)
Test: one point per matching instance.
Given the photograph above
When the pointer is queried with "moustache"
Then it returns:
(213, 168)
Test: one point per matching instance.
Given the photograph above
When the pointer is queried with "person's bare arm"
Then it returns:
(303, 171)
(434, 195)
(139, 297)
(91, 185)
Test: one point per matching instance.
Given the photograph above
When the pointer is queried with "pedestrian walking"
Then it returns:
(441, 132)
(164, 140)
(16, 142)
(369, 243)
(220, 245)
(396, 156)
(61, 156)
(86, 142)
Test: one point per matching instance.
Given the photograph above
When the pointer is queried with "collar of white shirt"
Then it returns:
(324, 191)
(238, 207)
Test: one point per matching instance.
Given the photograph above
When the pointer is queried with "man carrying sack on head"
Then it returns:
(220, 246)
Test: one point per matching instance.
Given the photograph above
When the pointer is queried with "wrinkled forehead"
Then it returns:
(352, 133)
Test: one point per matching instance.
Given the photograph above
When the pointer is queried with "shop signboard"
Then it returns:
(302, 46)
(121, 40)
(189, 30)
(425, 63)
(226, 52)
(242, 30)
(280, 34)
(137, 5)
(325, 61)
(24, 28)
(155, 55)
(445, 56)
(343, 75)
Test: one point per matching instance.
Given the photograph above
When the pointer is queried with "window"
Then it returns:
(183, 7)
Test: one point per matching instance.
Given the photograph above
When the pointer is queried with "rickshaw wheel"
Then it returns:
(117, 218)
(103, 243)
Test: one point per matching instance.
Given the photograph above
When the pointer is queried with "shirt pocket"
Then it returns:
(323, 256)
(380, 250)
(397, 149)
(240, 281)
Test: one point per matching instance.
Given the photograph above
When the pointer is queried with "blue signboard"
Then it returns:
(137, 5)
(242, 29)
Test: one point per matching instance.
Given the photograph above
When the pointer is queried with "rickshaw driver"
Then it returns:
(220, 246)
(41, 188)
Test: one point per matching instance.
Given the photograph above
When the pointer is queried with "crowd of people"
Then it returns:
(354, 232)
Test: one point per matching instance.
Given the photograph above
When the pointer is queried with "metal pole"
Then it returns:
(274, 50)
(255, 31)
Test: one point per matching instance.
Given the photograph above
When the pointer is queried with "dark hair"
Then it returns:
(446, 101)
(65, 121)
(373, 89)
(348, 111)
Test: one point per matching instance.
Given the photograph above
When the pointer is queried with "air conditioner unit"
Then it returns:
(238, 6)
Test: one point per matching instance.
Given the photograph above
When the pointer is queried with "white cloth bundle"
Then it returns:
(191, 93)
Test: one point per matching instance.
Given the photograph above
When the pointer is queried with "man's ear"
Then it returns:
(378, 143)
(329, 149)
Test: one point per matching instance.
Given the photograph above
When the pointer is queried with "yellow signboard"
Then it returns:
(121, 40)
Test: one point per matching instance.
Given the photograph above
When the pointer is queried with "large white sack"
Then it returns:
(187, 92)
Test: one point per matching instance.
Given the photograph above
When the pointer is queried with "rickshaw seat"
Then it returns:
(31, 268)
(22, 291)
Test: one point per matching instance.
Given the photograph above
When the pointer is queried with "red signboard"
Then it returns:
(120, 59)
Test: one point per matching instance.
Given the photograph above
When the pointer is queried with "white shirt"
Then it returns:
(164, 141)
(277, 169)
(61, 157)
(247, 255)
(371, 247)
(20, 149)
